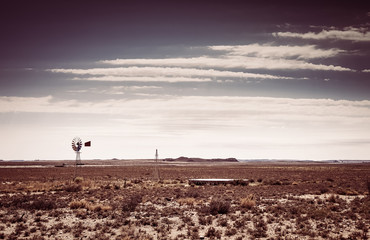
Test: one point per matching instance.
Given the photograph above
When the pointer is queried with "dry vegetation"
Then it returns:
(295, 201)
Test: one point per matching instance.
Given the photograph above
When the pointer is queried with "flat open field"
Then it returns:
(136, 200)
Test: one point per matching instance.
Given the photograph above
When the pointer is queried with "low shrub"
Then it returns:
(332, 198)
(277, 182)
(213, 233)
(73, 188)
(240, 182)
(202, 220)
(230, 232)
(194, 233)
(260, 228)
(192, 193)
(272, 182)
(41, 204)
(219, 206)
(222, 222)
(136, 181)
(340, 191)
(131, 203)
(324, 190)
(319, 214)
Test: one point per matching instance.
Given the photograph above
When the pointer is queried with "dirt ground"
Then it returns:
(141, 200)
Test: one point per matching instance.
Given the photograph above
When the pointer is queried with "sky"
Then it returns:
(211, 79)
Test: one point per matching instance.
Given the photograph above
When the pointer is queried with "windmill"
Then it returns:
(156, 170)
(76, 146)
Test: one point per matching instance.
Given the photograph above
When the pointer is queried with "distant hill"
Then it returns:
(186, 159)
(301, 161)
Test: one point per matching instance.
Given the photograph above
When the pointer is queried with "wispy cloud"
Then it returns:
(280, 51)
(166, 74)
(118, 90)
(37, 105)
(348, 33)
(224, 63)
(225, 107)
(230, 62)
(252, 56)
(110, 78)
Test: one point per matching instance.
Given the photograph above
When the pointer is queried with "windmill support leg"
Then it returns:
(78, 162)
(156, 170)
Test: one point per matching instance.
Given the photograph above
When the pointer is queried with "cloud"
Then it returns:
(252, 56)
(281, 51)
(111, 78)
(37, 105)
(167, 74)
(349, 33)
(225, 63)
(366, 70)
(118, 90)
(230, 62)
(236, 126)
(205, 107)
(262, 120)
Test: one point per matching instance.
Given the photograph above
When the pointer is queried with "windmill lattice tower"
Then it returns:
(156, 170)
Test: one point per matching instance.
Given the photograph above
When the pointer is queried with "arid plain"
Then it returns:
(121, 199)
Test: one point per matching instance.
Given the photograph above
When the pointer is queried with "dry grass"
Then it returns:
(295, 202)
(78, 204)
(97, 207)
(186, 201)
(248, 202)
